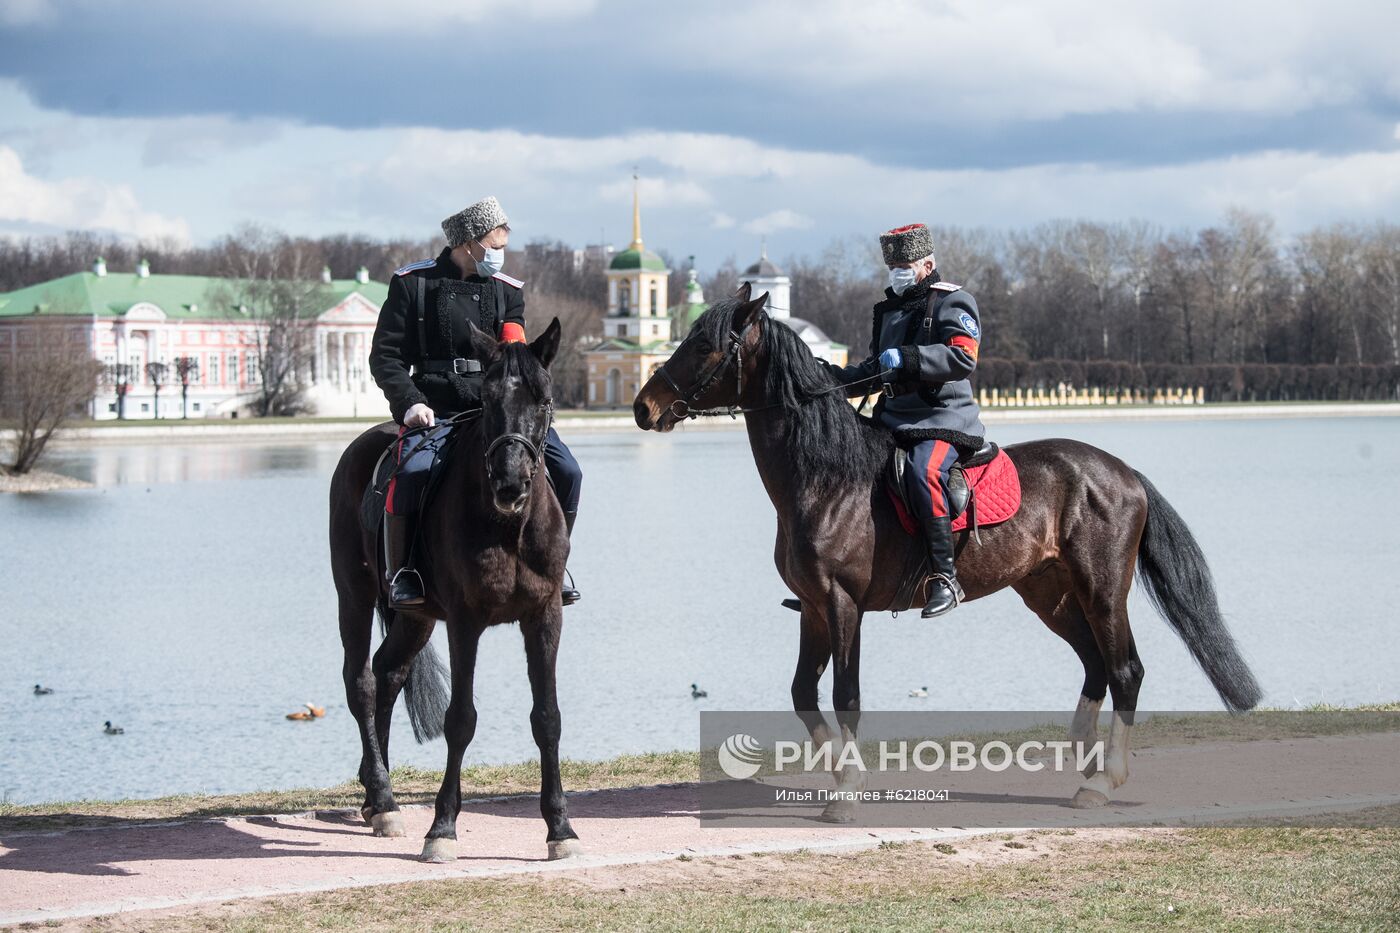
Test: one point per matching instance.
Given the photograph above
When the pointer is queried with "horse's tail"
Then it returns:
(1174, 573)
(425, 691)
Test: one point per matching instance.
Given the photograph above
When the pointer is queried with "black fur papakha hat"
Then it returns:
(906, 244)
(474, 222)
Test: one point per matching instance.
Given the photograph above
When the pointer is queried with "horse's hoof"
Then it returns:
(564, 848)
(367, 814)
(388, 824)
(839, 811)
(439, 851)
(1086, 798)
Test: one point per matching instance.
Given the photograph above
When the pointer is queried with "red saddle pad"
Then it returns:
(996, 486)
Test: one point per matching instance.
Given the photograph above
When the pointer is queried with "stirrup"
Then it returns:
(954, 588)
(409, 576)
(568, 595)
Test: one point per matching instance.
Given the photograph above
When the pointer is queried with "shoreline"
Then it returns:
(622, 421)
(676, 767)
(39, 481)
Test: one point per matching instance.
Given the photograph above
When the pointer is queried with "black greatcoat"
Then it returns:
(451, 301)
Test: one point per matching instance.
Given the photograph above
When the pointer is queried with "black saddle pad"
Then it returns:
(377, 492)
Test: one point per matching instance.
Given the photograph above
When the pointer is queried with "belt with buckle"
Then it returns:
(459, 366)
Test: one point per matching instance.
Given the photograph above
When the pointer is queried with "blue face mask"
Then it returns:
(902, 279)
(491, 262)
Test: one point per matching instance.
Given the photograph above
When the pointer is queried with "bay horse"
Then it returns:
(493, 549)
(1086, 518)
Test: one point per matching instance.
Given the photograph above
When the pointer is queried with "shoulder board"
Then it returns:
(415, 266)
(947, 287)
(512, 282)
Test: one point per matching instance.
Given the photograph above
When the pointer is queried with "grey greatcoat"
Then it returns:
(933, 397)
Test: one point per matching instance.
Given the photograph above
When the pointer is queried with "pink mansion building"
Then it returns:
(137, 317)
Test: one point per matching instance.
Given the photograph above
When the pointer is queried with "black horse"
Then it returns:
(1086, 518)
(493, 550)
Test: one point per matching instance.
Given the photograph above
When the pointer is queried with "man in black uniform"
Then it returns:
(422, 357)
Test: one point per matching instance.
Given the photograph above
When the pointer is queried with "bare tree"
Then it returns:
(836, 292)
(156, 373)
(276, 281)
(1381, 269)
(118, 375)
(39, 392)
(581, 321)
(187, 368)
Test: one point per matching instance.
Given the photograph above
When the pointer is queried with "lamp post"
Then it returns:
(120, 374)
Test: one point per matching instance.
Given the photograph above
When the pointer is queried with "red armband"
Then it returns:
(512, 332)
(965, 344)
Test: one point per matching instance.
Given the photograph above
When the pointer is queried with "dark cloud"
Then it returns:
(582, 77)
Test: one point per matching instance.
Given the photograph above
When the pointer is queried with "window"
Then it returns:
(233, 369)
(145, 406)
(624, 297)
(655, 299)
(196, 406)
(213, 369)
(112, 406)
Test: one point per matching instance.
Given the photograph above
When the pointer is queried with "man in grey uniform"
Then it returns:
(924, 345)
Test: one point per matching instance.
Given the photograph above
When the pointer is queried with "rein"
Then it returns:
(683, 407)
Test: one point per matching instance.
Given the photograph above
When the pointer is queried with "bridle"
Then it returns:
(535, 448)
(683, 407)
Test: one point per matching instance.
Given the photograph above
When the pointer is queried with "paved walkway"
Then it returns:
(126, 867)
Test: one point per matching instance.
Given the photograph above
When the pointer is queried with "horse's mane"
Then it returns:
(829, 443)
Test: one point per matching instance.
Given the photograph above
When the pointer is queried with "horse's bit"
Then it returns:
(535, 449)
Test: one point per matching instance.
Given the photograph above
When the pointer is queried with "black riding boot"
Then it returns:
(944, 591)
(569, 592)
(405, 585)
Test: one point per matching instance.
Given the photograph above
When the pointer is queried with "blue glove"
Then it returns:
(892, 359)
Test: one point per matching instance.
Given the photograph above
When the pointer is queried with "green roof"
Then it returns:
(638, 259)
(181, 297)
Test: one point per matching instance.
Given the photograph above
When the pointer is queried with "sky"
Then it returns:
(795, 122)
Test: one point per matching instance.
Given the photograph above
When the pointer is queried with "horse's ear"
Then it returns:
(483, 343)
(546, 345)
(749, 311)
(744, 292)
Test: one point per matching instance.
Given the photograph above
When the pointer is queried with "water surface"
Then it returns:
(188, 598)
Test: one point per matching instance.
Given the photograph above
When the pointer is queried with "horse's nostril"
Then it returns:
(641, 411)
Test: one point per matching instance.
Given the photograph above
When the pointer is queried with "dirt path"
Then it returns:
(129, 867)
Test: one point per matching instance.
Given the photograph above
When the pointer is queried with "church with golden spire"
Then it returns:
(637, 327)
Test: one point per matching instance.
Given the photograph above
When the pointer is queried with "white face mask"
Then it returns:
(491, 261)
(902, 279)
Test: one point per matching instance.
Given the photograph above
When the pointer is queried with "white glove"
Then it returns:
(418, 416)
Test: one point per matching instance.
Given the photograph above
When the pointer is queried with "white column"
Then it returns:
(343, 381)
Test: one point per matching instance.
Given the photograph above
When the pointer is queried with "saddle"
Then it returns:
(983, 489)
(377, 492)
